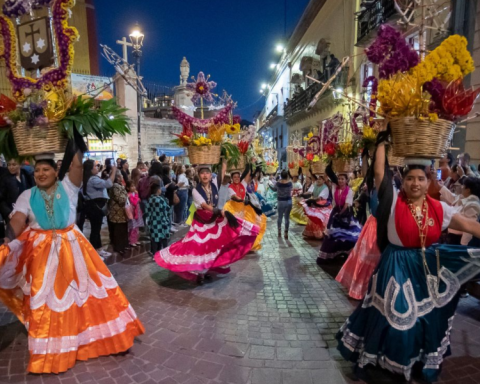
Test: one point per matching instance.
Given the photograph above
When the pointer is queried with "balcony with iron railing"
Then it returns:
(372, 16)
(299, 103)
(273, 113)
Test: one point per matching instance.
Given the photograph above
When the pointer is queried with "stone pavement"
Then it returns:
(272, 320)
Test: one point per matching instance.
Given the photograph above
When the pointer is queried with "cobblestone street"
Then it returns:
(271, 321)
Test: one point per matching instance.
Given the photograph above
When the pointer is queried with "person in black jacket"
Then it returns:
(12, 184)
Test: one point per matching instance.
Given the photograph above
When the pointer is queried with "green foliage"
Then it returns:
(231, 153)
(101, 122)
(7, 144)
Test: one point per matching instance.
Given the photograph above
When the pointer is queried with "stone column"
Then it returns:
(127, 97)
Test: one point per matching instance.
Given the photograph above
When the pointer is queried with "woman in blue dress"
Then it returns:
(407, 314)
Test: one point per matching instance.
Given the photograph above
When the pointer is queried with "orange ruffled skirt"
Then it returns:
(360, 265)
(73, 309)
(247, 213)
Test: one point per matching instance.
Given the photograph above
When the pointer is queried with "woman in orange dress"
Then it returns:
(56, 283)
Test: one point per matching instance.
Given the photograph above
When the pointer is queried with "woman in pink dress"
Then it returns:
(215, 240)
(317, 208)
(358, 269)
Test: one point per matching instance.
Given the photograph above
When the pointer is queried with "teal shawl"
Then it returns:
(61, 209)
(317, 190)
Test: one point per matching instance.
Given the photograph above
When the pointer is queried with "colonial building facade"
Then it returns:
(344, 30)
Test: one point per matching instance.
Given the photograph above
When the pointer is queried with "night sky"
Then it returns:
(233, 40)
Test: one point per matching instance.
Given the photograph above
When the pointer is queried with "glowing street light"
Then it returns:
(280, 48)
(264, 86)
(272, 66)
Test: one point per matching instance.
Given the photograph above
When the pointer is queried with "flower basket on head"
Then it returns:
(38, 139)
(343, 165)
(412, 137)
(239, 166)
(394, 161)
(294, 172)
(271, 170)
(318, 167)
(205, 154)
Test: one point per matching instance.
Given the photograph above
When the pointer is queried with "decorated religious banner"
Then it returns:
(34, 38)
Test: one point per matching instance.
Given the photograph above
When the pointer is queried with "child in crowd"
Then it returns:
(158, 212)
(134, 215)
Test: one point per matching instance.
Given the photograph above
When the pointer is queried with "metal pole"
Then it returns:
(138, 55)
(421, 37)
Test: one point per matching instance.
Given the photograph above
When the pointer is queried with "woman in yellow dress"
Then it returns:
(245, 204)
(55, 282)
(298, 214)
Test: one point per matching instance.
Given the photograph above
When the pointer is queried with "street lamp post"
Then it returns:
(136, 38)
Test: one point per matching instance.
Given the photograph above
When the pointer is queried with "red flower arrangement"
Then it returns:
(330, 149)
(457, 101)
(6, 105)
(243, 146)
(309, 156)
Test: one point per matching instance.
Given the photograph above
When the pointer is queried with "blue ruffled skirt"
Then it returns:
(267, 209)
(341, 235)
(406, 316)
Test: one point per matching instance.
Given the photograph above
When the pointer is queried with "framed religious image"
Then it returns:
(35, 43)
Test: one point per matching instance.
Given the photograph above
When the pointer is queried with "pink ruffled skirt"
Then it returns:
(317, 220)
(358, 269)
(208, 246)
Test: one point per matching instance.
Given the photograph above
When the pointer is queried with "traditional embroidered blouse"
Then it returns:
(198, 199)
(348, 200)
(402, 228)
(239, 190)
(23, 204)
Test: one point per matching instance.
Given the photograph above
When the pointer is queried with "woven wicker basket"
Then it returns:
(36, 140)
(239, 166)
(318, 167)
(343, 165)
(293, 171)
(204, 154)
(271, 170)
(425, 139)
(305, 171)
(394, 161)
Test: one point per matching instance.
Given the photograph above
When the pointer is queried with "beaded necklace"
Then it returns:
(420, 215)
(208, 193)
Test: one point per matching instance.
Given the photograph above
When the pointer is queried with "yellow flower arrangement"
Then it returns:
(369, 133)
(450, 61)
(345, 149)
(316, 159)
(308, 137)
(202, 141)
(399, 96)
(232, 129)
(216, 133)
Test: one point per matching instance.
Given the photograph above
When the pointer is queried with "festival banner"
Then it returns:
(99, 87)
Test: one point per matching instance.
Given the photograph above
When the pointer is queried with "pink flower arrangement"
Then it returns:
(202, 88)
